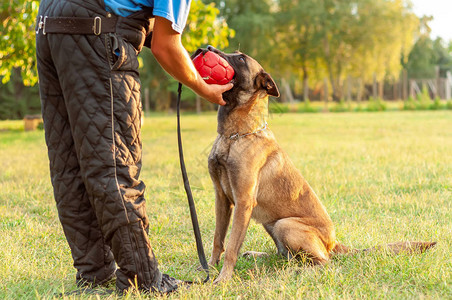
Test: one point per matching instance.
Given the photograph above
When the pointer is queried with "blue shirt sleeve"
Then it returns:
(176, 11)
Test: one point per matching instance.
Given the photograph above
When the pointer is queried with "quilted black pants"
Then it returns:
(90, 93)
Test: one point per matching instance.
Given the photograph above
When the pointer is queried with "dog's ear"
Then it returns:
(266, 82)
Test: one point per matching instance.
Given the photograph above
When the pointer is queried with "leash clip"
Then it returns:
(42, 25)
(234, 136)
(97, 26)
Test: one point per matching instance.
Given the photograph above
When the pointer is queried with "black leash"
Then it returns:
(191, 203)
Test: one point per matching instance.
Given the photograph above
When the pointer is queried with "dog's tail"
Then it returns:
(394, 248)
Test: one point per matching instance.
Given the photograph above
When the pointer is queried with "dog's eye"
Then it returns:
(242, 59)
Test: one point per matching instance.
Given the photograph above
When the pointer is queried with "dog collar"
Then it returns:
(237, 136)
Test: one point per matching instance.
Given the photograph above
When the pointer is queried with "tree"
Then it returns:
(17, 39)
(254, 25)
(299, 41)
(16, 100)
(18, 50)
(426, 55)
(442, 57)
(366, 38)
(361, 38)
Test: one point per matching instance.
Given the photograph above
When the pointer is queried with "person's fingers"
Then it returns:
(218, 92)
(221, 102)
(225, 88)
(228, 86)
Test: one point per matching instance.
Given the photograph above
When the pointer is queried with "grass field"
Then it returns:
(382, 176)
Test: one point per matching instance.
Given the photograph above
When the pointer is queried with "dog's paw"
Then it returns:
(254, 254)
(222, 278)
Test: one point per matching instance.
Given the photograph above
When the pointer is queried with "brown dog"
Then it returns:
(253, 175)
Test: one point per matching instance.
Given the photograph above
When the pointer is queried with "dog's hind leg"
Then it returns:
(282, 249)
(295, 236)
(280, 246)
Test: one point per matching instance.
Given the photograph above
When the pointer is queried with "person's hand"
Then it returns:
(172, 56)
(215, 92)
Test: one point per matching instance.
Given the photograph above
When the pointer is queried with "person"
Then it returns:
(90, 94)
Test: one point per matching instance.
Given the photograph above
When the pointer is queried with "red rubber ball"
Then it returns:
(213, 68)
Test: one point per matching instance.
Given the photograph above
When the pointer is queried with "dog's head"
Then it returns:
(250, 80)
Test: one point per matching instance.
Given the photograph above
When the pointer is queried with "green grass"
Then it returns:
(382, 176)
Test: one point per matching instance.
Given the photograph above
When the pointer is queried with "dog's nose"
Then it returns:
(211, 48)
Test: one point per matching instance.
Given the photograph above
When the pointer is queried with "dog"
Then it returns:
(254, 178)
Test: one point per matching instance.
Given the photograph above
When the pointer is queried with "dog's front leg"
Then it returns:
(223, 210)
(241, 219)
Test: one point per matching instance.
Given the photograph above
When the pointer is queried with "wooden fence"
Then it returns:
(355, 89)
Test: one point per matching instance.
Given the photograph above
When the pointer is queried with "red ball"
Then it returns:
(213, 68)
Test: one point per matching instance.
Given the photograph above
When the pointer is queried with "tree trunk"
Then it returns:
(329, 64)
(374, 87)
(305, 84)
(381, 86)
(18, 91)
(359, 95)
(404, 84)
(438, 83)
(349, 89)
(325, 89)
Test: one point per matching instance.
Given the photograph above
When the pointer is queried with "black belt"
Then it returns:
(76, 25)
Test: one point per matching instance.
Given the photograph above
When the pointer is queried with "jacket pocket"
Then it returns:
(123, 56)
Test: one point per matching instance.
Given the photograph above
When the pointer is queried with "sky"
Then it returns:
(441, 10)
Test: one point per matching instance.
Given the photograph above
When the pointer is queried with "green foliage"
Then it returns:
(449, 104)
(436, 104)
(423, 102)
(426, 55)
(304, 41)
(18, 100)
(205, 27)
(423, 99)
(253, 22)
(17, 39)
(307, 107)
(376, 104)
(17, 51)
(409, 104)
(340, 38)
(278, 108)
(340, 106)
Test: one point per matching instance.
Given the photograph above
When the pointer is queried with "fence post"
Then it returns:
(305, 89)
(288, 91)
(360, 90)
(395, 86)
(325, 92)
(448, 86)
(381, 87)
(374, 87)
(348, 92)
(437, 93)
(412, 92)
(404, 84)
